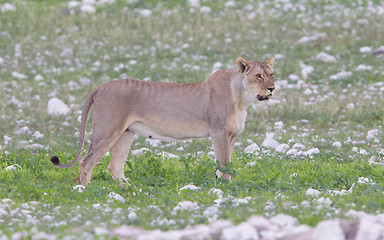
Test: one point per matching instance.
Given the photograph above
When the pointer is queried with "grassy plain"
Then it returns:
(49, 50)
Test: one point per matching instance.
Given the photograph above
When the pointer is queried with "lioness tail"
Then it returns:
(84, 115)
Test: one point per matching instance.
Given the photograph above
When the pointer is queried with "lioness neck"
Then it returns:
(242, 101)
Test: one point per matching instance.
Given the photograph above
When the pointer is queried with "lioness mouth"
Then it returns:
(261, 98)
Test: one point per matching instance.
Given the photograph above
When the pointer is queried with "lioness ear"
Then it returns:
(270, 62)
(243, 65)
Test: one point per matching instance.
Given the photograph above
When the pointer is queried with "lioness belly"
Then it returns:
(170, 131)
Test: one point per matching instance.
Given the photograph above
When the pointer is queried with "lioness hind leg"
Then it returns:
(100, 144)
(119, 153)
(89, 161)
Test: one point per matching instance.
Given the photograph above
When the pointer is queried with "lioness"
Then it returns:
(215, 107)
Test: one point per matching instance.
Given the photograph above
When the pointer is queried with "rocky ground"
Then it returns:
(279, 227)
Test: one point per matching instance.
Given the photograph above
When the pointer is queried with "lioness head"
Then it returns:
(257, 77)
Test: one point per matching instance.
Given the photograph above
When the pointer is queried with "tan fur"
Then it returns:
(215, 107)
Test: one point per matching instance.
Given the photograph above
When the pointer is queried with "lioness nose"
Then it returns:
(271, 89)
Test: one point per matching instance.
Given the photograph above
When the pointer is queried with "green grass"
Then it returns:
(177, 43)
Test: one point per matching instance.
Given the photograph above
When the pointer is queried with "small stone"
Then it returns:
(269, 142)
(57, 107)
(369, 229)
(325, 57)
(312, 192)
(115, 197)
(13, 167)
(243, 231)
(337, 144)
(282, 148)
(189, 187)
(328, 230)
(252, 148)
(284, 221)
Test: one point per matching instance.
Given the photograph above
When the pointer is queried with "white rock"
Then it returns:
(362, 67)
(269, 142)
(38, 135)
(7, 7)
(189, 187)
(145, 12)
(230, 4)
(22, 131)
(238, 201)
(252, 148)
(311, 151)
(205, 9)
(153, 142)
(323, 202)
(363, 152)
(127, 232)
(217, 192)
(139, 151)
(34, 147)
(100, 231)
(282, 148)
(85, 81)
(364, 180)
(217, 65)
(79, 188)
(337, 144)
(66, 53)
(279, 125)
(371, 135)
(314, 37)
(365, 49)
(103, 2)
(284, 221)
(47, 218)
(243, 231)
(3, 212)
(298, 146)
(39, 78)
(19, 75)
(369, 229)
(328, 230)
(73, 4)
(325, 57)
(13, 167)
(250, 164)
(340, 75)
(132, 216)
(350, 106)
(355, 214)
(211, 211)
(185, 205)
(115, 197)
(194, 3)
(292, 151)
(87, 8)
(57, 107)
(307, 92)
(312, 192)
(306, 70)
(261, 223)
(89, 2)
(378, 51)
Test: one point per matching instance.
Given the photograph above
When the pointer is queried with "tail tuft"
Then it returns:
(55, 160)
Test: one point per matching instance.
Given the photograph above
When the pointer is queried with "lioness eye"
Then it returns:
(258, 75)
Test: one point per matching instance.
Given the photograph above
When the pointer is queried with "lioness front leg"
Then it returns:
(119, 154)
(222, 147)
